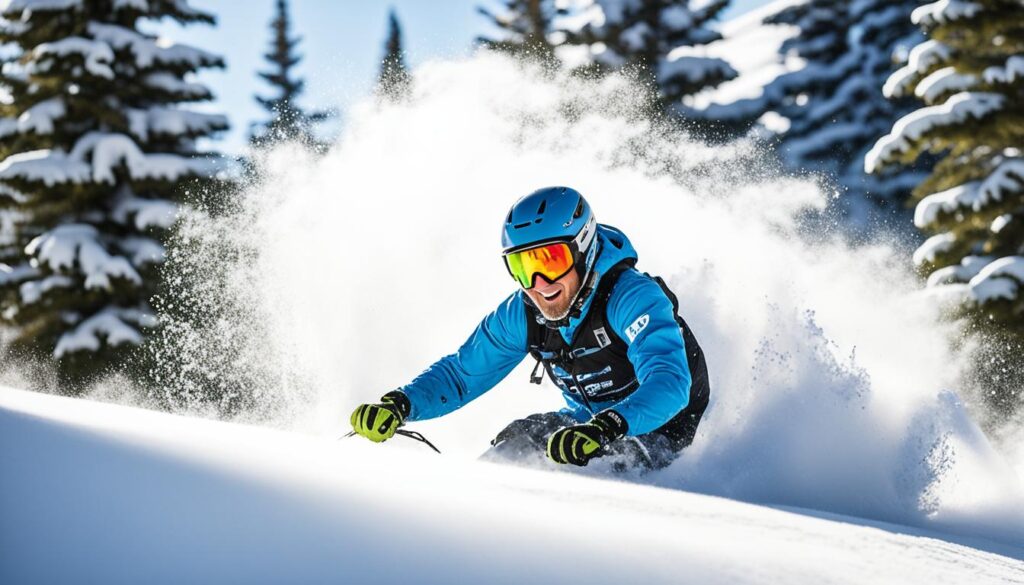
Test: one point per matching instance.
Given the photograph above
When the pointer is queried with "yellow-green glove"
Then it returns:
(378, 422)
(578, 444)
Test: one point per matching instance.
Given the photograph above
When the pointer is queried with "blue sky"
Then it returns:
(342, 44)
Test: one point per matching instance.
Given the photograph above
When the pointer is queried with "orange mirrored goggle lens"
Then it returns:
(552, 261)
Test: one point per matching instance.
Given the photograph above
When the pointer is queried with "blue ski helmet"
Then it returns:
(553, 214)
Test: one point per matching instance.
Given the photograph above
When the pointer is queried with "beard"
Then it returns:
(557, 310)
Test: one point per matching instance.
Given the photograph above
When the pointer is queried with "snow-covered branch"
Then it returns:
(1006, 74)
(968, 268)
(175, 85)
(50, 167)
(1006, 180)
(113, 325)
(173, 122)
(944, 12)
(923, 58)
(913, 128)
(145, 213)
(148, 52)
(97, 55)
(70, 245)
(944, 82)
(38, 119)
(94, 158)
(933, 247)
(1000, 279)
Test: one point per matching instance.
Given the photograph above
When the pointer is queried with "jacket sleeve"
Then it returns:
(643, 317)
(493, 350)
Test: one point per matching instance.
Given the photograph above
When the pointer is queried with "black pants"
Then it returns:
(525, 441)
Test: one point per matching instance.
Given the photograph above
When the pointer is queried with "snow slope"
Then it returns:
(92, 492)
(833, 385)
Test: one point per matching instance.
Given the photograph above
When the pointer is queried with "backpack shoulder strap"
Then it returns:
(608, 280)
(536, 332)
(536, 338)
(671, 297)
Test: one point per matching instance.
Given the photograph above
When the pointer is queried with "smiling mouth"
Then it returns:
(552, 297)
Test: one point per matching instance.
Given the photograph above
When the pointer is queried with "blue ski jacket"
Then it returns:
(499, 343)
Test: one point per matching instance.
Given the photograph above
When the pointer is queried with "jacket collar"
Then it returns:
(614, 247)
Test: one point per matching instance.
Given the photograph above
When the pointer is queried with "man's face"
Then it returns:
(553, 298)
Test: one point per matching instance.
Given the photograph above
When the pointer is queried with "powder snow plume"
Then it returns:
(340, 278)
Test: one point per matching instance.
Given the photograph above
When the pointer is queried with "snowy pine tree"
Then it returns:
(288, 122)
(95, 152)
(834, 104)
(524, 28)
(970, 75)
(821, 44)
(660, 39)
(394, 82)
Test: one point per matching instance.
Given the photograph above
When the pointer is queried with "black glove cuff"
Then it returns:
(613, 424)
(400, 400)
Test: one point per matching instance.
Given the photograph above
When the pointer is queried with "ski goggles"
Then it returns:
(552, 261)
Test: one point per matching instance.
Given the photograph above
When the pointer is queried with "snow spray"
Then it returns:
(341, 277)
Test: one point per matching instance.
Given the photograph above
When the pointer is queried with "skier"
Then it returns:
(632, 375)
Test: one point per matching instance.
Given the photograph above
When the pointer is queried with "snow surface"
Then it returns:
(833, 385)
(94, 492)
(831, 379)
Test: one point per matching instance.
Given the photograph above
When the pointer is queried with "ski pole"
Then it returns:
(410, 434)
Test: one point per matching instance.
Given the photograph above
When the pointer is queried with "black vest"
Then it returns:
(595, 366)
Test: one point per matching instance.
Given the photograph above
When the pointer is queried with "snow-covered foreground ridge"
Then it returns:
(92, 492)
